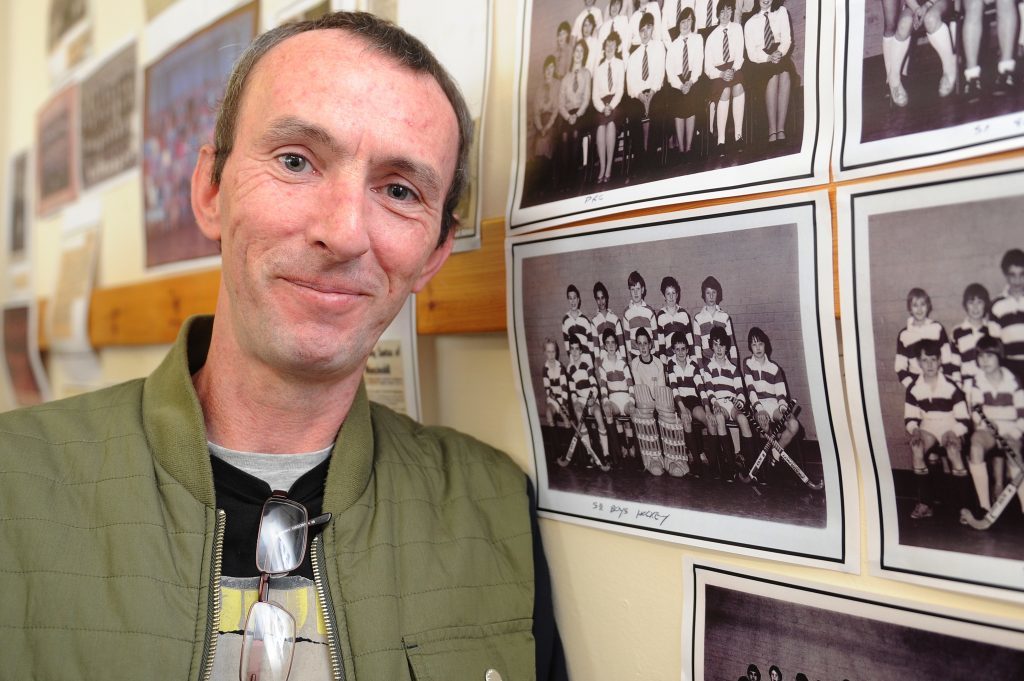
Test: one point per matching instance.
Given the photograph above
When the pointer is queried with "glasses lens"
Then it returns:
(281, 544)
(268, 644)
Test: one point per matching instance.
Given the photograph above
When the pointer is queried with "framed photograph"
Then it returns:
(913, 91)
(679, 378)
(56, 151)
(17, 211)
(932, 286)
(630, 103)
(109, 120)
(757, 626)
(182, 91)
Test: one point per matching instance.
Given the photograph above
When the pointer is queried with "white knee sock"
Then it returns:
(943, 44)
(979, 475)
(603, 436)
(737, 114)
(899, 53)
(722, 117)
(887, 47)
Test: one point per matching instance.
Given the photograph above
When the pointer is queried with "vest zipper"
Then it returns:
(213, 609)
(323, 592)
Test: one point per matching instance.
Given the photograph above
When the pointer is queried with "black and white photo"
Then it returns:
(109, 120)
(758, 626)
(920, 83)
(624, 103)
(676, 372)
(932, 287)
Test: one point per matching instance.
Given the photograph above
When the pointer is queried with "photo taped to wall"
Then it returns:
(675, 374)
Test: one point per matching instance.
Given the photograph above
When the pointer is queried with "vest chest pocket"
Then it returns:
(494, 652)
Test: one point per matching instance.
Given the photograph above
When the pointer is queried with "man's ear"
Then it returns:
(205, 195)
(435, 260)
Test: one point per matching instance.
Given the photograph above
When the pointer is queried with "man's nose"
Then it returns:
(342, 226)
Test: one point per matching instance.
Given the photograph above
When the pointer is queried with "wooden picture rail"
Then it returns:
(467, 296)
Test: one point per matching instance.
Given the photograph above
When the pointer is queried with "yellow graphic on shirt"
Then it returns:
(298, 602)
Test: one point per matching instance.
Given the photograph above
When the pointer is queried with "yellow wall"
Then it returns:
(618, 599)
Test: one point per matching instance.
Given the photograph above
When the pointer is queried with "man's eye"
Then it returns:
(293, 162)
(399, 192)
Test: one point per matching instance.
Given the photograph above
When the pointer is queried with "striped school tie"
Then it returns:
(645, 70)
(725, 45)
(769, 37)
(711, 13)
(685, 73)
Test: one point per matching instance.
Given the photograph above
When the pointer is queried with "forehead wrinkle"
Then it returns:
(289, 129)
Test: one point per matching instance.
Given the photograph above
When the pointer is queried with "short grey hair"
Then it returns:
(382, 36)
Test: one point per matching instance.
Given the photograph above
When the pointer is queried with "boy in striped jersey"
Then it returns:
(1008, 312)
(576, 324)
(638, 314)
(556, 384)
(724, 386)
(616, 383)
(672, 319)
(687, 384)
(604, 319)
(920, 327)
(965, 336)
(935, 414)
(1001, 398)
(766, 389)
(709, 317)
(583, 395)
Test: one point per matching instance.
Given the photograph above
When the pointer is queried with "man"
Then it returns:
(575, 324)
(129, 551)
(1008, 312)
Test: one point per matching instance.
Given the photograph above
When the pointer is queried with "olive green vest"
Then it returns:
(107, 551)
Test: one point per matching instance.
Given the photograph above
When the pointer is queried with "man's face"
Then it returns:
(602, 301)
(988, 362)
(1015, 279)
(610, 46)
(710, 295)
(718, 347)
(645, 33)
(757, 347)
(574, 300)
(643, 344)
(929, 365)
(975, 309)
(575, 351)
(636, 292)
(330, 203)
(919, 309)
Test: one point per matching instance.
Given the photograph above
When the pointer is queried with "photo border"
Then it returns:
(837, 545)
(886, 557)
(807, 167)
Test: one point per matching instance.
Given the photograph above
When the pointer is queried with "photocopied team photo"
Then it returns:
(666, 374)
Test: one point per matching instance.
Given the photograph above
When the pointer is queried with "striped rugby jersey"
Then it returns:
(703, 322)
(908, 347)
(1008, 314)
(722, 381)
(965, 354)
(685, 380)
(609, 320)
(670, 323)
(582, 328)
(764, 381)
(614, 376)
(1003, 404)
(581, 380)
(640, 316)
(556, 382)
(941, 401)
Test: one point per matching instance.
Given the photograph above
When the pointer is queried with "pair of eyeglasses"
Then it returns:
(268, 641)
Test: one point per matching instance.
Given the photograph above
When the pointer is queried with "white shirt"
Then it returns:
(600, 88)
(674, 59)
(635, 82)
(577, 25)
(714, 52)
(753, 33)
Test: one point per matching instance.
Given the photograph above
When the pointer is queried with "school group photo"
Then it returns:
(682, 372)
(943, 350)
(625, 92)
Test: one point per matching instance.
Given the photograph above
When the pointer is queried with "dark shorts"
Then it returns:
(691, 402)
